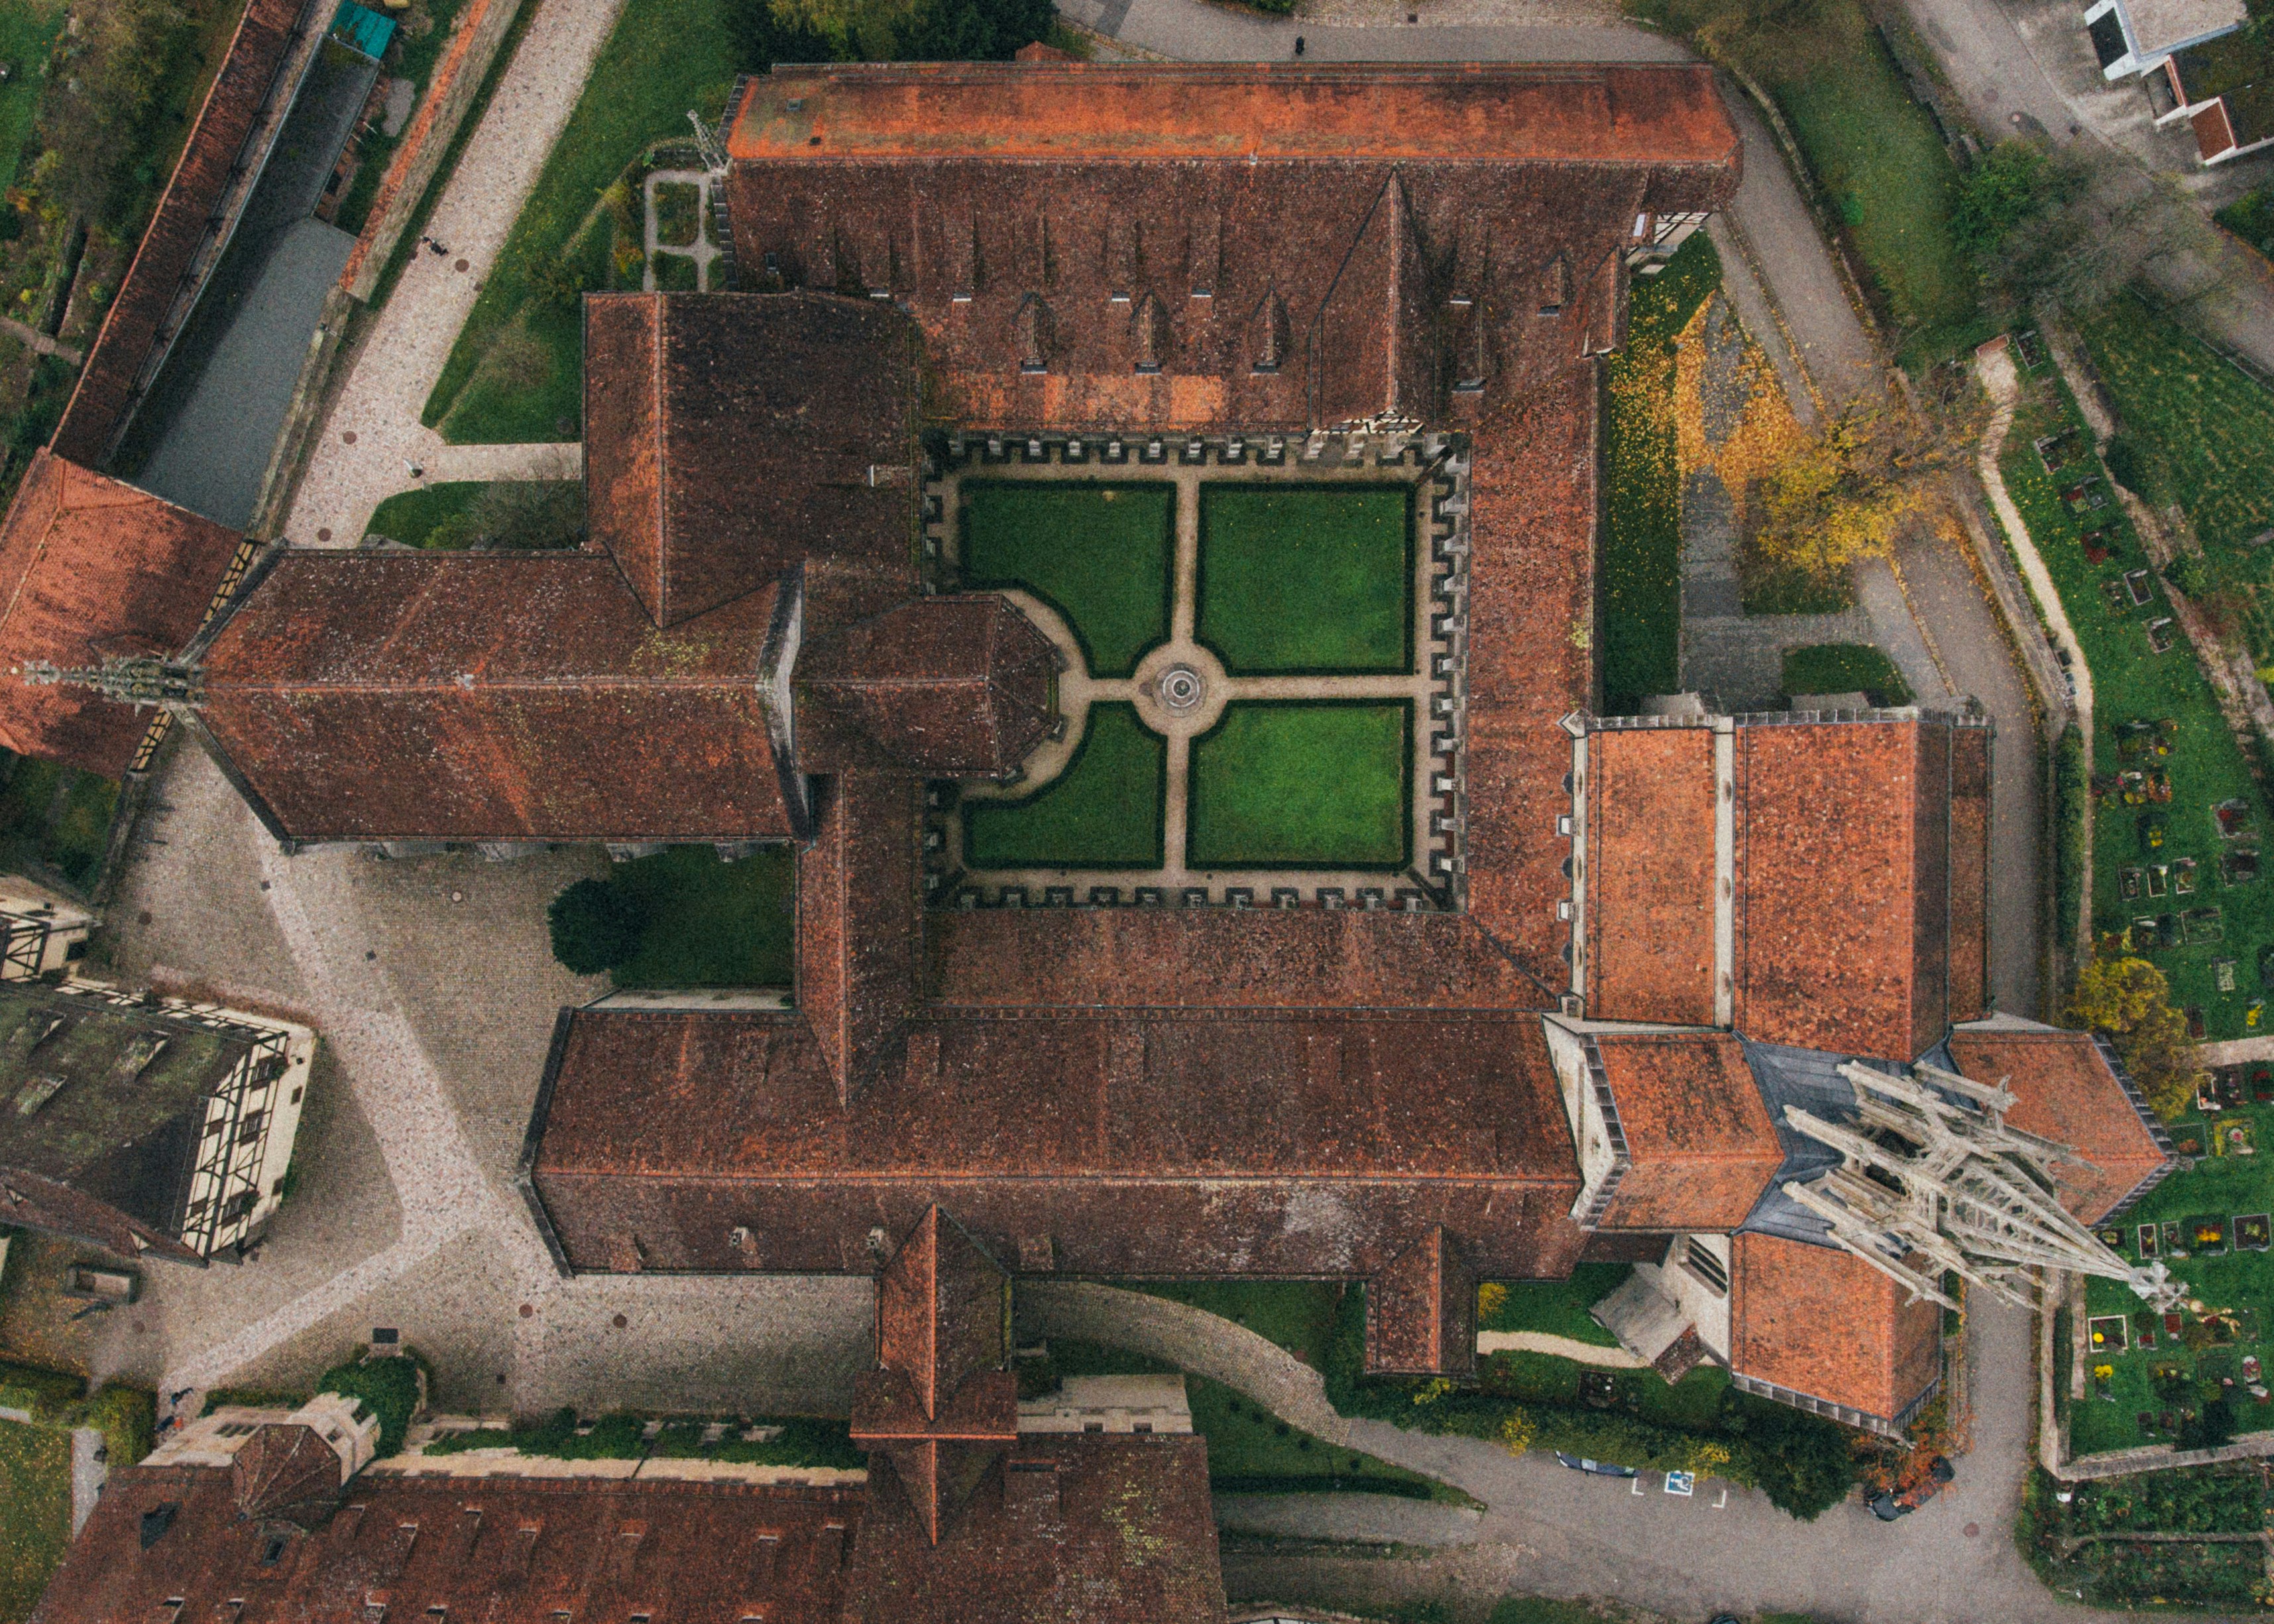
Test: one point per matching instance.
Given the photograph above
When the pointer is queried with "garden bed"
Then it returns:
(1100, 554)
(2081, 1549)
(1303, 785)
(2153, 1377)
(663, 58)
(1302, 579)
(1845, 667)
(1103, 811)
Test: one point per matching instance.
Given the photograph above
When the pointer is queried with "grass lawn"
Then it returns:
(28, 30)
(411, 516)
(1557, 1307)
(714, 924)
(2204, 765)
(531, 377)
(1297, 1315)
(1102, 555)
(35, 1504)
(1844, 668)
(678, 214)
(1103, 811)
(1302, 785)
(676, 273)
(2208, 429)
(1881, 159)
(1641, 566)
(664, 57)
(1315, 578)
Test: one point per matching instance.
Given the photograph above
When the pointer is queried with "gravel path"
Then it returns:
(395, 369)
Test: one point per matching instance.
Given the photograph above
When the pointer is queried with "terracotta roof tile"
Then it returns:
(730, 437)
(1971, 749)
(493, 696)
(950, 687)
(1422, 1311)
(2066, 1090)
(144, 307)
(593, 1548)
(1471, 113)
(1701, 1146)
(860, 932)
(1651, 875)
(1843, 887)
(1071, 1529)
(91, 567)
(1819, 1321)
(1163, 1145)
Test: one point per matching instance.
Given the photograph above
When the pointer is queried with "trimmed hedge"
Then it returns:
(2071, 860)
(126, 1415)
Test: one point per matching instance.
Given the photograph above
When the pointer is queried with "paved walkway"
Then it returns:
(431, 985)
(89, 1473)
(2027, 64)
(703, 251)
(39, 342)
(372, 436)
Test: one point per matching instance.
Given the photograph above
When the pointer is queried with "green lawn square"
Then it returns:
(1302, 785)
(1103, 811)
(1307, 578)
(35, 1508)
(1102, 555)
(712, 924)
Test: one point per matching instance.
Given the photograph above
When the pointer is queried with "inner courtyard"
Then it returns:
(1260, 694)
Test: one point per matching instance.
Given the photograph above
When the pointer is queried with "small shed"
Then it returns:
(363, 30)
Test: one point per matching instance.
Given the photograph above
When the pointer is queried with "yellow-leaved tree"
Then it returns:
(1846, 495)
(2130, 1000)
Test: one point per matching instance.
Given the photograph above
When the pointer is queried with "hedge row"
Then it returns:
(127, 1416)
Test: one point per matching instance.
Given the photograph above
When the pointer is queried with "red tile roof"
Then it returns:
(1170, 1144)
(2066, 1091)
(1702, 1150)
(1824, 1323)
(144, 311)
(1844, 885)
(1970, 751)
(493, 696)
(953, 688)
(859, 927)
(1650, 879)
(1422, 1311)
(521, 1548)
(1061, 1529)
(730, 437)
(89, 568)
(2214, 131)
(1485, 114)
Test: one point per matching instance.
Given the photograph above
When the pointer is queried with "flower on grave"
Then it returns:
(2102, 1372)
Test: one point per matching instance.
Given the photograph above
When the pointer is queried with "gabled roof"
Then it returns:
(1060, 1530)
(730, 437)
(941, 1402)
(1825, 1324)
(495, 697)
(286, 1473)
(860, 928)
(1422, 1311)
(91, 568)
(2066, 1089)
(1651, 875)
(107, 1101)
(1700, 1144)
(953, 687)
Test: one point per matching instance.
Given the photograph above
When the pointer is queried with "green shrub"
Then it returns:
(595, 926)
(387, 1386)
(2124, 464)
(126, 1416)
(44, 1393)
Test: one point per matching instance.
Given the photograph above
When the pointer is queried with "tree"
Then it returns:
(2075, 225)
(595, 926)
(2130, 999)
(1847, 494)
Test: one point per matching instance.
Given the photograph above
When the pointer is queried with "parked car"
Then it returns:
(1602, 1468)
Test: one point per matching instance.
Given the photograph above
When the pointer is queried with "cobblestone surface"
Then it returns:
(394, 369)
